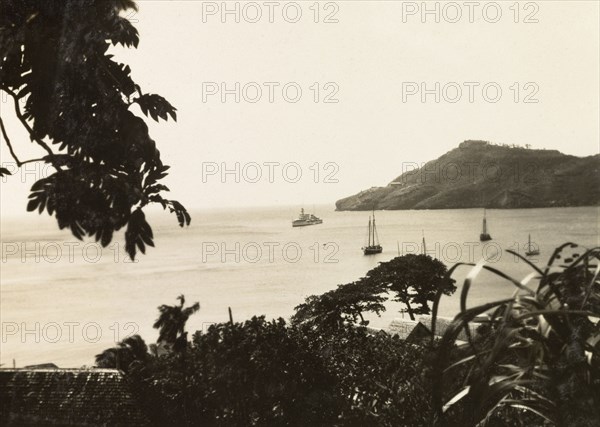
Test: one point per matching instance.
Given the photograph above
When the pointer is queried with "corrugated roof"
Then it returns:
(91, 397)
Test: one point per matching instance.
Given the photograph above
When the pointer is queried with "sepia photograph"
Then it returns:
(300, 213)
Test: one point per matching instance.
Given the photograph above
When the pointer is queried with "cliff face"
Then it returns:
(479, 174)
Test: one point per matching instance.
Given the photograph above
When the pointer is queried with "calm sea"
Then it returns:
(63, 301)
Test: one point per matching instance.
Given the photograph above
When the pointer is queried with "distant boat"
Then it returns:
(373, 247)
(305, 219)
(484, 236)
(531, 250)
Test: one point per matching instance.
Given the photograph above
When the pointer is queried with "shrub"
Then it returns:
(539, 356)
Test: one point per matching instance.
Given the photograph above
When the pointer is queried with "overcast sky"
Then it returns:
(372, 61)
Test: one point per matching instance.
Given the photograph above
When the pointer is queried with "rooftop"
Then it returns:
(55, 396)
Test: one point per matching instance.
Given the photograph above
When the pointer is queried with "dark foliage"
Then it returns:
(171, 323)
(347, 303)
(537, 359)
(414, 279)
(252, 373)
(75, 101)
(268, 373)
(127, 352)
(381, 379)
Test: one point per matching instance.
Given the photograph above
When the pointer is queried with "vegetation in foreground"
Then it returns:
(537, 353)
(534, 360)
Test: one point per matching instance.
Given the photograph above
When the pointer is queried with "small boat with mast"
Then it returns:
(484, 236)
(532, 250)
(373, 247)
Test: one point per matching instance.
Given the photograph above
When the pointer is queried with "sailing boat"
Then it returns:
(531, 250)
(373, 246)
(484, 236)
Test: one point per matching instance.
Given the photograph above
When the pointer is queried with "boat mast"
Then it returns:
(424, 247)
(484, 223)
(369, 242)
(529, 244)
(374, 230)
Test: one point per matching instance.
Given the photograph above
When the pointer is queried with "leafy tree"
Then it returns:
(171, 323)
(269, 373)
(131, 349)
(382, 379)
(78, 105)
(239, 374)
(415, 280)
(347, 303)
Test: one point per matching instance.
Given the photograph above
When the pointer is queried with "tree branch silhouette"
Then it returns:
(12, 151)
(23, 120)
